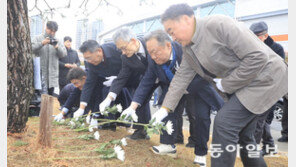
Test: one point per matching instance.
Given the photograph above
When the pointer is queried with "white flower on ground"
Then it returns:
(88, 119)
(119, 152)
(90, 129)
(97, 135)
(94, 123)
(169, 127)
(123, 141)
(62, 120)
(119, 108)
(72, 123)
(83, 125)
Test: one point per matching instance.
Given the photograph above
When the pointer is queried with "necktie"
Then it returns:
(168, 69)
(142, 58)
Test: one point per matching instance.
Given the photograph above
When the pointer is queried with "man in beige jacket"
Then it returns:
(221, 49)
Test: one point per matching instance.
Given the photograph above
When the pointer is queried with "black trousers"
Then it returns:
(179, 119)
(165, 138)
(199, 117)
(143, 112)
(285, 119)
(233, 125)
(263, 128)
(199, 114)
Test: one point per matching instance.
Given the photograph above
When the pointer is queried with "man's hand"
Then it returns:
(78, 113)
(159, 115)
(130, 112)
(218, 84)
(74, 65)
(59, 117)
(109, 80)
(45, 41)
(68, 65)
(106, 103)
(56, 46)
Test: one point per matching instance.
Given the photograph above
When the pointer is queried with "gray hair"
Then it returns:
(160, 35)
(124, 34)
(89, 45)
(175, 11)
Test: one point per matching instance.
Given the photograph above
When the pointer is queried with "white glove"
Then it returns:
(218, 84)
(109, 80)
(58, 117)
(159, 115)
(130, 112)
(104, 104)
(78, 113)
(93, 123)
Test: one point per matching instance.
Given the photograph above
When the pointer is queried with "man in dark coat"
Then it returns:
(260, 29)
(104, 63)
(163, 61)
(67, 62)
(69, 96)
(134, 64)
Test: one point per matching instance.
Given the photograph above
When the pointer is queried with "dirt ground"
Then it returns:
(24, 151)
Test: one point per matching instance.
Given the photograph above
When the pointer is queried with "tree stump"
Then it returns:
(44, 137)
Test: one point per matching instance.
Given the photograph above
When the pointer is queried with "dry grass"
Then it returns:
(23, 150)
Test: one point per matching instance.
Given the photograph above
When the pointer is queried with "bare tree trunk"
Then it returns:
(19, 65)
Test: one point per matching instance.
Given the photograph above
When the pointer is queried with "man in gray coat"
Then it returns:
(219, 48)
(49, 49)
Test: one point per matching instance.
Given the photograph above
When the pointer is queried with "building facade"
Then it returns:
(273, 12)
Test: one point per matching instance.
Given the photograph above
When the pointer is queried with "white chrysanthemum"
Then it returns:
(94, 123)
(119, 152)
(72, 123)
(97, 135)
(62, 120)
(123, 141)
(90, 129)
(88, 119)
(119, 108)
(82, 125)
(169, 127)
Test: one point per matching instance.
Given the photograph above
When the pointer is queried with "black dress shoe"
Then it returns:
(138, 135)
(283, 139)
(179, 141)
(111, 127)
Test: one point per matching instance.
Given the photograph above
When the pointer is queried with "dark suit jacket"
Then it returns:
(72, 57)
(131, 72)
(67, 92)
(276, 47)
(198, 86)
(96, 74)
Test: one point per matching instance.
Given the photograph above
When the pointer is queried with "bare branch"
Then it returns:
(119, 11)
(95, 8)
